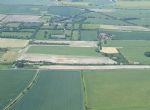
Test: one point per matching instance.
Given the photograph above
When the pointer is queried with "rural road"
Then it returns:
(105, 67)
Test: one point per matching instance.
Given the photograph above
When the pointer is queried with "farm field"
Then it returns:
(55, 90)
(12, 82)
(129, 35)
(23, 35)
(41, 34)
(89, 35)
(64, 50)
(117, 89)
(132, 50)
(136, 54)
(133, 4)
(13, 43)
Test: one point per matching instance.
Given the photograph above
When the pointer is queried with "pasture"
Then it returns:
(63, 50)
(55, 90)
(117, 89)
(13, 82)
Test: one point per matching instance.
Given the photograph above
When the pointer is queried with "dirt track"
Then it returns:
(64, 67)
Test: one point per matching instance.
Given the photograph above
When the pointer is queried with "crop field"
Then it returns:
(89, 35)
(117, 89)
(59, 50)
(22, 35)
(41, 34)
(21, 9)
(63, 10)
(136, 54)
(132, 50)
(128, 35)
(21, 18)
(133, 4)
(55, 90)
(12, 82)
(13, 43)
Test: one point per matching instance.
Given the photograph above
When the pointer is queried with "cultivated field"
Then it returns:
(21, 18)
(2, 16)
(12, 43)
(64, 50)
(55, 90)
(12, 82)
(115, 27)
(133, 50)
(133, 4)
(66, 59)
(117, 89)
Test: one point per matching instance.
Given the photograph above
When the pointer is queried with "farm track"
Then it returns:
(22, 93)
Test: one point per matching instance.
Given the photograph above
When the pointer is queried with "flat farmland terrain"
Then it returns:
(64, 50)
(117, 89)
(55, 90)
(133, 50)
(136, 54)
(13, 82)
(133, 4)
(13, 43)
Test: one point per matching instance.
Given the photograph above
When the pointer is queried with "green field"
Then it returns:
(117, 89)
(133, 50)
(41, 34)
(64, 50)
(89, 35)
(12, 82)
(128, 35)
(55, 90)
(64, 10)
(22, 35)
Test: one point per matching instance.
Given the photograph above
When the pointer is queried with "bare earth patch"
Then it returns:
(61, 59)
(109, 67)
(2, 16)
(21, 18)
(9, 56)
(13, 43)
(109, 50)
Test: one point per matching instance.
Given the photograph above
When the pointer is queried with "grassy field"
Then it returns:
(55, 90)
(63, 10)
(12, 82)
(22, 35)
(117, 89)
(133, 50)
(128, 35)
(41, 34)
(64, 50)
(89, 35)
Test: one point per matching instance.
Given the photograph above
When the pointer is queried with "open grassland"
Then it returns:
(133, 50)
(117, 89)
(55, 90)
(12, 43)
(64, 50)
(12, 82)
(133, 4)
